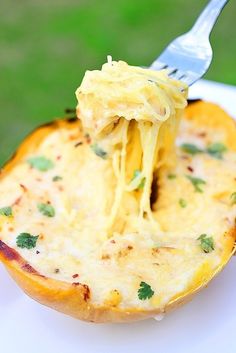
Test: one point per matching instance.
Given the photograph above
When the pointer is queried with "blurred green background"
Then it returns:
(47, 45)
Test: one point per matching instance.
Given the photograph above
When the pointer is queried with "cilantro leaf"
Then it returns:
(137, 174)
(171, 176)
(98, 151)
(46, 209)
(233, 198)
(41, 163)
(196, 183)
(190, 148)
(145, 291)
(6, 211)
(26, 240)
(182, 203)
(216, 150)
(206, 243)
(56, 178)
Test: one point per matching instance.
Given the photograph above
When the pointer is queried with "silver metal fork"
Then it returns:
(189, 56)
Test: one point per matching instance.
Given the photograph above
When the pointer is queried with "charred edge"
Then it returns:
(191, 101)
(86, 292)
(12, 255)
(9, 253)
(28, 268)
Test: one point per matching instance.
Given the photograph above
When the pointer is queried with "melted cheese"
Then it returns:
(119, 100)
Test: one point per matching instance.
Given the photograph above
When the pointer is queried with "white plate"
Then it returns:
(207, 324)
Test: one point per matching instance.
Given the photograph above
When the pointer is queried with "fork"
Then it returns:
(189, 56)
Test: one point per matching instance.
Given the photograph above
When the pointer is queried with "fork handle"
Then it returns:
(208, 17)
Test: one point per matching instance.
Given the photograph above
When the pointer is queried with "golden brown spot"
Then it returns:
(86, 290)
(105, 257)
(113, 298)
(202, 134)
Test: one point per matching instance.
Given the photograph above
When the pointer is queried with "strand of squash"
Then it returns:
(119, 164)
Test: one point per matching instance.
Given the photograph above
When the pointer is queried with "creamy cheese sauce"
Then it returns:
(73, 246)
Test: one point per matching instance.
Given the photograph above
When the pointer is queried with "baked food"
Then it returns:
(64, 244)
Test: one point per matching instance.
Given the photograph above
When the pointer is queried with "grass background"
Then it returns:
(47, 45)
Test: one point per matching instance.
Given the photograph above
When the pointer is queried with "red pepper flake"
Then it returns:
(17, 201)
(75, 275)
(58, 158)
(190, 169)
(23, 187)
(60, 188)
(113, 241)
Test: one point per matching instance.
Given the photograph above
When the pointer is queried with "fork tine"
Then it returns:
(177, 74)
(172, 71)
(158, 65)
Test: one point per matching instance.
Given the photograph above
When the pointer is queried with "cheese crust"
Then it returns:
(75, 268)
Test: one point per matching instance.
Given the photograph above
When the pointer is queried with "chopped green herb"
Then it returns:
(98, 151)
(26, 240)
(145, 291)
(233, 198)
(6, 211)
(216, 150)
(206, 243)
(171, 176)
(182, 203)
(41, 163)
(196, 183)
(137, 173)
(46, 209)
(190, 148)
(57, 178)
